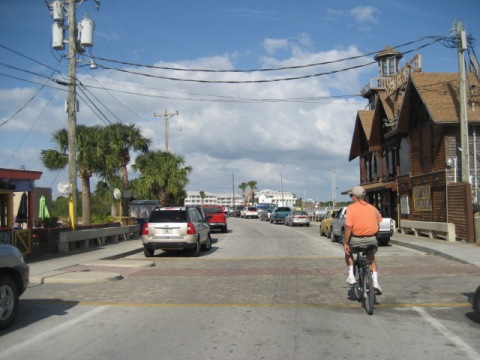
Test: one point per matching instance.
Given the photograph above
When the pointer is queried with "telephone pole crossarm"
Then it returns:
(166, 115)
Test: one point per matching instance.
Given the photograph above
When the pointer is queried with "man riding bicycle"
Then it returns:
(361, 225)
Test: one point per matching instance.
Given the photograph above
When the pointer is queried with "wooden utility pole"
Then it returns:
(166, 116)
(465, 151)
(72, 114)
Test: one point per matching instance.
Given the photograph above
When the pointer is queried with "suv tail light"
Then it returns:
(190, 229)
(145, 229)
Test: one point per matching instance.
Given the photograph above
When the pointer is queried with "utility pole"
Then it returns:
(334, 187)
(72, 114)
(465, 149)
(166, 116)
(78, 39)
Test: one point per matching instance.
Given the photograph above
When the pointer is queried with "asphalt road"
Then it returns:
(263, 291)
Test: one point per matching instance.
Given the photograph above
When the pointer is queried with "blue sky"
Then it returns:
(254, 130)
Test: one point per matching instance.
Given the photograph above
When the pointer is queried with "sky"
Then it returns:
(278, 104)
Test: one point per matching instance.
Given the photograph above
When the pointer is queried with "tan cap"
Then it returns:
(357, 191)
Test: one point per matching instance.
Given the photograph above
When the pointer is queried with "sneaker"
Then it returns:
(351, 280)
(377, 288)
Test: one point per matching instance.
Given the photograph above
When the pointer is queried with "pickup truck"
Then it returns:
(384, 234)
(279, 214)
(216, 217)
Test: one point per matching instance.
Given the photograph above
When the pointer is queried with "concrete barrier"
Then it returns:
(83, 237)
(434, 230)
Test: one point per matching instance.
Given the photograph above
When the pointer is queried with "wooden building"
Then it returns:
(408, 144)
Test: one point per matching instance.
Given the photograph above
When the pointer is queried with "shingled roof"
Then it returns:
(438, 93)
(361, 132)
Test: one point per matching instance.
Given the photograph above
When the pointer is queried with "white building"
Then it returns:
(278, 198)
(194, 198)
(264, 196)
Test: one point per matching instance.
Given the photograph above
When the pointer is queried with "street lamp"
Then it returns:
(281, 180)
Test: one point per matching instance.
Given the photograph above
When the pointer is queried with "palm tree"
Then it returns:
(165, 174)
(202, 195)
(253, 186)
(91, 158)
(243, 186)
(121, 139)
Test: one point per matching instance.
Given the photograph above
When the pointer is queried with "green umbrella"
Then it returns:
(43, 214)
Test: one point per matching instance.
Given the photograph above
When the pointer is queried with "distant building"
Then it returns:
(264, 196)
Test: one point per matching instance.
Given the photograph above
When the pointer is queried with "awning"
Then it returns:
(392, 185)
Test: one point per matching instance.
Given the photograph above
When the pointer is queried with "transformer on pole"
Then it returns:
(78, 39)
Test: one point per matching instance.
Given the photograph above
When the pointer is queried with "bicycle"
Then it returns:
(363, 288)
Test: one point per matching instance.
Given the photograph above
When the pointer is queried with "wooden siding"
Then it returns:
(460, 210)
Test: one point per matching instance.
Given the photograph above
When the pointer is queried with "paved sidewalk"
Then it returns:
(466, 253)
(53, 268)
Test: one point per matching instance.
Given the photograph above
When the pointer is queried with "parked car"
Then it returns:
(320, 214)
(176, 228)
(326, 223)
(250, 212)
(14, 278)
(383, 235)
(297, 217)
(264, 215)
(216, 217)
(235, 211)
(279, 214)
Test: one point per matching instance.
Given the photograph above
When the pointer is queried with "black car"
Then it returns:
(14, 277)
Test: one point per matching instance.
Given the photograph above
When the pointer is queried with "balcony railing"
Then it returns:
(376, 83)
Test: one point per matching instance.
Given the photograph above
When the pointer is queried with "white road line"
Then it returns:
(471, 352)
(7, 353)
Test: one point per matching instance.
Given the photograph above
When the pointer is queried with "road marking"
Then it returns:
(472, 353)
(7, 353)
(351, 305)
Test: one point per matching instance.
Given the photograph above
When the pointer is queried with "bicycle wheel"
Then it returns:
(357, 287)
(369, 293)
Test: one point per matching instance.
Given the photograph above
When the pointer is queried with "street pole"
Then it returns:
(72, 115)
(465, 152)
(281, 183)
(334, 187)
(166, 116)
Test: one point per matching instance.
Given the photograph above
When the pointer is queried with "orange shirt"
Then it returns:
(363, 218)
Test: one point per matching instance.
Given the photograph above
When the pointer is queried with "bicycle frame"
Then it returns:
(363, 288)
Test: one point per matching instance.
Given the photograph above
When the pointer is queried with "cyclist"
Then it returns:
(361, 225)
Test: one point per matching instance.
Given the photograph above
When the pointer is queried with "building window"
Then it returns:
(422, 199)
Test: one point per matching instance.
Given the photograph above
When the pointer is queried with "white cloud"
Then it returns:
(273, 45)
(249, 130)
(365, 14)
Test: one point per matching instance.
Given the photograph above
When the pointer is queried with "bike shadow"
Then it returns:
(351, 296)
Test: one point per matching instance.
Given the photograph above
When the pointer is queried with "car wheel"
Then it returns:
(196, 249)
(208, 244)
(329, 235)
(8, 301)
(148, 252)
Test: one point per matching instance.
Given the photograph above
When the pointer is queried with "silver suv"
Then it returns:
(176, 228)
(14, 277)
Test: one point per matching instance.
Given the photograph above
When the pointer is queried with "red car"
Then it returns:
(216, 217)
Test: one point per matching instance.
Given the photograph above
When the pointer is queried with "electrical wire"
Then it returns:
(293, 67)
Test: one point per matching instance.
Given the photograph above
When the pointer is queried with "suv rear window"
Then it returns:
(283, 209)
(213, 210)
(168, 216)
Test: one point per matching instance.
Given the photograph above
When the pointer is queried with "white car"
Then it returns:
(297, 217)
(250, 212)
